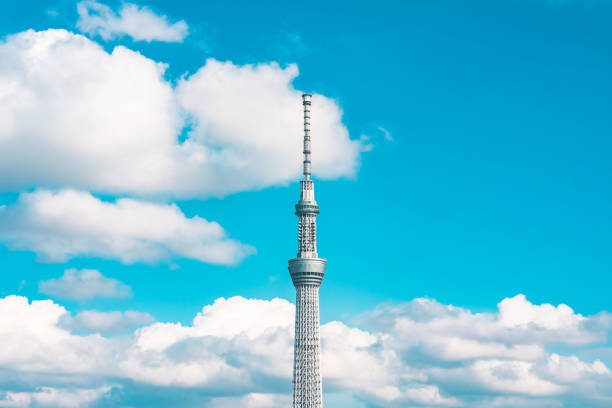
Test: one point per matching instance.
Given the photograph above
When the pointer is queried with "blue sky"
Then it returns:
(470, 164)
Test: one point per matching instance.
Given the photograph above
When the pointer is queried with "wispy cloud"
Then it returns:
(386, 134)
(293, 46)
(84, 284)
(369, 142)
(140, 23)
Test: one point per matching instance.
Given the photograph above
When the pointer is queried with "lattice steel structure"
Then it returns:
(307, 271)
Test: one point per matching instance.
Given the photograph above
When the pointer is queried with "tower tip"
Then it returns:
(306, 98)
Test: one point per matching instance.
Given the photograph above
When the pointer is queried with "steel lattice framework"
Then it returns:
(307, 271)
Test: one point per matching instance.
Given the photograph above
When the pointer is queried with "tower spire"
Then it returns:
(307, 271)
(307, 208)
(306, 101)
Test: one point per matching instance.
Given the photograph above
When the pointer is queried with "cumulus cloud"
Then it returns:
(140, 23)
(68, 104)
(84, 284)
(66, 224)
(237, 342)
(518, 329)
(34, 341)
(253, 116)
(503, 352)
(238, 352)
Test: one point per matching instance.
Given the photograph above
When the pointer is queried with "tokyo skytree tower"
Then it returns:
(307, 271)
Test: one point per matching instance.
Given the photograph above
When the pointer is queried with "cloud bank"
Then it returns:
(76, 116)
(239, 351)
(53, 397)
(106, 322)
(61, 225)
(140, 23)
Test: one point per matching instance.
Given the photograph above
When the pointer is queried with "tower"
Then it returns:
(307, 271)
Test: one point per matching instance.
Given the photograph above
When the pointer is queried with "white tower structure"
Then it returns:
(307, 271)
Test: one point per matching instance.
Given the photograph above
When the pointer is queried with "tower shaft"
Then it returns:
(306, 375)
(307, 271)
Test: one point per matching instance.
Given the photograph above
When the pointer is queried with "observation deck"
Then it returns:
(307, 271)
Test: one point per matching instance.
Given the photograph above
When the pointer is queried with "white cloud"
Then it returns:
(238, 352)
(83, 284)
(68, 104)
(519, 329)
(427, 395)
(65, 224)
(359, 363)
(503, 352)
(34, 341)
(253, 116)
(52, 397)
(140, 23)
(510, 376)
(234, 341)
(106, 322)
(517, 312)
(226, 318)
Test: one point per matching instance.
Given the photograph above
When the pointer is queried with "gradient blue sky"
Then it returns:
(497, 181)
(496, 178)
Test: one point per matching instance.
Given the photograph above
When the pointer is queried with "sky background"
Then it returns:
(484, 166)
